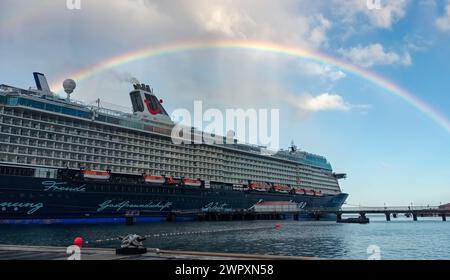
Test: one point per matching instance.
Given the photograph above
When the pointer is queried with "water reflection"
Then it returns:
(399, 239)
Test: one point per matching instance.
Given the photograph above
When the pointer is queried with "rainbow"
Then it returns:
(297, 52)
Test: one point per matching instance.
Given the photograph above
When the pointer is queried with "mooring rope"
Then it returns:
(172, 234)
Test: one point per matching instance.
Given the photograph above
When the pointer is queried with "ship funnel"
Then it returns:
(145, 102)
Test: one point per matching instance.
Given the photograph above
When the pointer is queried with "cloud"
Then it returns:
(227, 21)
(318, 33)
(221, 77)
(375, 54)
(443, 22)
(325, 102)
(324, 71)
(287, 21)
(390, 12)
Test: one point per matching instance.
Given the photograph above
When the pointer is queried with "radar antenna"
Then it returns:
(293, 147)
(69, 86)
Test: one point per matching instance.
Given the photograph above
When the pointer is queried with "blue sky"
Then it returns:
(392, 152)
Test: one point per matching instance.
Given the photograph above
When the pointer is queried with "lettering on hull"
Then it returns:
(61, 187)
(216, 206)
(33, 207)
(109, 204)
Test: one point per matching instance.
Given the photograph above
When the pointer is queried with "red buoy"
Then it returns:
(78, 241)
(278, 226)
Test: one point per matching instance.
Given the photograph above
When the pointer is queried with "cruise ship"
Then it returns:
(62, 161)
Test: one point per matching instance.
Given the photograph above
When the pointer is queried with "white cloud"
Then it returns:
(325, 102)
(225, 20)
(260, 20)
(321, 70)
(391, 11)
(318, 32)
(375, 54)
(322, 102)
(443, 23)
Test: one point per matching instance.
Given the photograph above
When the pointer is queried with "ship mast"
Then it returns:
(293, 147)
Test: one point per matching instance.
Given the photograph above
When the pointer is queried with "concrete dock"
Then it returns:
(15, 252)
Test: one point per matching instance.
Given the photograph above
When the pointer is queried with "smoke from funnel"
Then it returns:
(133, 80)
(125, 77)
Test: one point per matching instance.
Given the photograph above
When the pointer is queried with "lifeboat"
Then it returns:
(154, 179)
(282, 188)
(318, 193)
(173, 181)
(299, 191)
(192, 182)
(96, 174)
(310, 192)
(259, 186)
(240, 188)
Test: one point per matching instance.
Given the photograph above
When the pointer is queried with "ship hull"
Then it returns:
(38, 200)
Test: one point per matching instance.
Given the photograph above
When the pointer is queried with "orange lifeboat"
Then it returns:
(154, 179)
(96, 174)
(298, 191)
(310, 192)
(192, 182)
(282, 188)
(318, 193)
(259, 186)
(173, 181)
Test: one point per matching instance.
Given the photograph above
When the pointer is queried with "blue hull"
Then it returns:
(45, 201)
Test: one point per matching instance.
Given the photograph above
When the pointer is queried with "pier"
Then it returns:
(388, 212)
(15, 252)
(415, 212)
(317, 214)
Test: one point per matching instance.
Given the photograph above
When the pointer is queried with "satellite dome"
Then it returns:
(69, 85)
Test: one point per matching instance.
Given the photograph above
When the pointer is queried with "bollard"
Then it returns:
(388, 217)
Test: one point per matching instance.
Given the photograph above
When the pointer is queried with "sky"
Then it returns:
(392, 152)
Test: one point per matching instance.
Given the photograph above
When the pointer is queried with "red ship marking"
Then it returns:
(153, 112)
